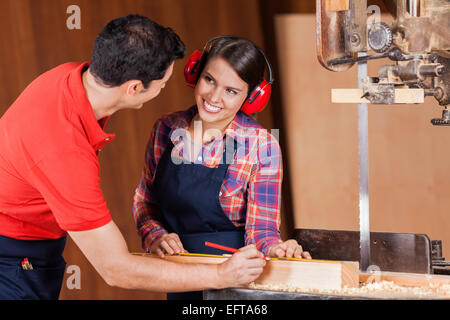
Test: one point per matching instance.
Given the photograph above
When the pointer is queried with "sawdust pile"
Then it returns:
(381, 289)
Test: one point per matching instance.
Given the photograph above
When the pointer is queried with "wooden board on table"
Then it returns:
(299, 273)
(313, 274)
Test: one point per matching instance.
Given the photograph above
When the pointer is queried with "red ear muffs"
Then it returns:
(191, 68)
(257, 99)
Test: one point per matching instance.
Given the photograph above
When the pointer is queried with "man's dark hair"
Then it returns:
(134, 47)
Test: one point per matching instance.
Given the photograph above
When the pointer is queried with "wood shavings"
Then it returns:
(379, 290)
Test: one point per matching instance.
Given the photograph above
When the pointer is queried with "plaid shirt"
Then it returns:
(251, 191)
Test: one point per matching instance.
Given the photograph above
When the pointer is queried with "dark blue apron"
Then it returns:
(188, 196)
(44, 281)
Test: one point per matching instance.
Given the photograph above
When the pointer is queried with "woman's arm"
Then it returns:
(264, 202)
(264, 193)
(146, 212)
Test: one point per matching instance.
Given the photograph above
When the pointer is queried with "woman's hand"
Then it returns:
(169, 243)
(289, 249)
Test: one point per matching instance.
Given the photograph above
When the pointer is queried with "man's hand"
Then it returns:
(242, 268)
(169, 243)
(289, 249)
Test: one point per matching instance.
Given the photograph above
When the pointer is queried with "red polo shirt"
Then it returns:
(49, 170)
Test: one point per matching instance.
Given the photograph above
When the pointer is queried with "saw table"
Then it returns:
(252, 294)
(373, 286)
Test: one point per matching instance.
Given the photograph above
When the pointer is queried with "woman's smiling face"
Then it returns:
(219, 93)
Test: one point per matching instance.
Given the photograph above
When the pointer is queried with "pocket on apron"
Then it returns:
(42, 283)
(45, 272)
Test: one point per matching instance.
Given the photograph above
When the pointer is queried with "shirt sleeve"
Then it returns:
(69, 182)
(264, 195)
(146, 212)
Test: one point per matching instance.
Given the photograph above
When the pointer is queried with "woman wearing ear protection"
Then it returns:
(212, 173)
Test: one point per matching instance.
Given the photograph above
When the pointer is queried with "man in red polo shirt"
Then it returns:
(49, 171)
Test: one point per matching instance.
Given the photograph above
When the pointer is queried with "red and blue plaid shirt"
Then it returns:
(251, 191)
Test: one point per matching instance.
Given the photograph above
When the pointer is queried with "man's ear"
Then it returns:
(134, 87)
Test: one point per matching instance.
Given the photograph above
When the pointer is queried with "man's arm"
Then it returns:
(106, 250)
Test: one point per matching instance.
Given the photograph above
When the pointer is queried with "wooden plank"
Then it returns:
(354, 96)
(337, 5)
(299, 273)
(405, 279)
(310, 274)
(409, 95)
(192, 258)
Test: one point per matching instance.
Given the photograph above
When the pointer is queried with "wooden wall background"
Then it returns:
(320, 182)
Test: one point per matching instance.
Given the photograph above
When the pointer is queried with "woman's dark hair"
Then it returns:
(134, 47)
(242, 55)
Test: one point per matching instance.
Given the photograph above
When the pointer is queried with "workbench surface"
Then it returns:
(256, 294)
